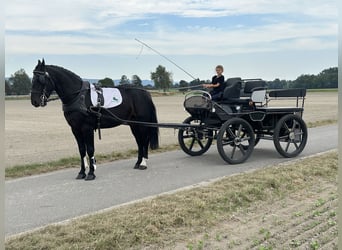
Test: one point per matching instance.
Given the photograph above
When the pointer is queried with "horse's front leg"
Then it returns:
(82, 151)
(89, 141)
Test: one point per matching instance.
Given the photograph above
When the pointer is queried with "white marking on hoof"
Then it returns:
(143, 162)
(94, 162)
(86, 165)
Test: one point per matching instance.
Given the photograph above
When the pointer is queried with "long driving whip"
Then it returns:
(166, 58)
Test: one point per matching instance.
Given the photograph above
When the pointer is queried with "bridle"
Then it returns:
(44, 78)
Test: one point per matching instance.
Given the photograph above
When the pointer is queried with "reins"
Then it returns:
(147, 124)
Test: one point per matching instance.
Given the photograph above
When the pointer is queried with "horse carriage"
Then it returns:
(241, 119)
(237, 122)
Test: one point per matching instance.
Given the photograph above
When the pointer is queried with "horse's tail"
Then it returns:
(154, 131)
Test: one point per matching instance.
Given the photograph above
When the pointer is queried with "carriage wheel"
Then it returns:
(193, 141)
(235, 140)
(290, 135)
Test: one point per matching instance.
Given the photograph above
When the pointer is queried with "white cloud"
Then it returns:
(201, 40)
(84, 27)
(81, 14)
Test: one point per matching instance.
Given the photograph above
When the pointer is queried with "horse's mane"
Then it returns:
(73, 75)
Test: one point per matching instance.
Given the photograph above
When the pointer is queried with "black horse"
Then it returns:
(84, 118)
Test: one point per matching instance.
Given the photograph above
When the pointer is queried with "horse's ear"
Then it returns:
(39, 62)
(43, 62)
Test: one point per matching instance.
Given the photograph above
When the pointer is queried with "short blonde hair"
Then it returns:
(219, 67)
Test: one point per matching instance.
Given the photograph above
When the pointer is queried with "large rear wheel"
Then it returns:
(290, 135)
(235, 141)
(195, 141)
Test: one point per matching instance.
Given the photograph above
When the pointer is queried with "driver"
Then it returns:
(217, 84)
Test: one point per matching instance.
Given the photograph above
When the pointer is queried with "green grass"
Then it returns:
(167, 219)
(73, 162)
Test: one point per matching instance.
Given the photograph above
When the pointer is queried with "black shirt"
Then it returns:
(219, 80)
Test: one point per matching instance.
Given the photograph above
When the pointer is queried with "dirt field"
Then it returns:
(304, 220)
(36, 135)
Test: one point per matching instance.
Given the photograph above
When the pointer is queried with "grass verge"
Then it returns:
(40, 168)
(72, 162)
(163, 221)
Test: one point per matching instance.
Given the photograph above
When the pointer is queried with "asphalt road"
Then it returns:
(36, 201)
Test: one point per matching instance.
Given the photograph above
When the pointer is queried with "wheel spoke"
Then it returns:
(242, 149)
(239, 131)
(224, 142)
(286, 127)
(245, 139)
(283, 137)
(233, 152)
(296, 145)
(200, 143)
(230, 132)
(287, 146)
(300, 132)
(192, 143)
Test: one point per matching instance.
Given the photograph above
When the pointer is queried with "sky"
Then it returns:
(265, 39)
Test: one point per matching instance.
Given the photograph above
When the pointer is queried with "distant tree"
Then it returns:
(197, 83)
(162, 79)
(276, 84)
(136, 81)
(305, 81)
(183, 85)
(124, 80)
(107, 82)
(8, 88)
(328, 78)
(21, 83)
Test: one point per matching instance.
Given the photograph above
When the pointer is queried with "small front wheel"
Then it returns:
(195, 141)
(235, 141)
(290, 135)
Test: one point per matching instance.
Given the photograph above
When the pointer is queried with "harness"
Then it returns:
(77, 103)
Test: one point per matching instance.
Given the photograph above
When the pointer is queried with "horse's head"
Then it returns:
(42, 85)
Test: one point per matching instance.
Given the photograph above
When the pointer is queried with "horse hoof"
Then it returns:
(90, 177)
(136, 166)
(142, 167)
(80, 176)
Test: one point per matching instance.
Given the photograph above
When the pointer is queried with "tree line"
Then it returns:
(20, 83)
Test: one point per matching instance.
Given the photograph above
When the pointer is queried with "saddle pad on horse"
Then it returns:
(112, 97)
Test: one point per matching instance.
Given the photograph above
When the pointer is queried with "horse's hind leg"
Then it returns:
(145, 141)
(139, 138)
(82, 150)
(140, 133)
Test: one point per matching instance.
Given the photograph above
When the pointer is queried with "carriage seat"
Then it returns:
(251, 85)
(252, 90)
(231, 93)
